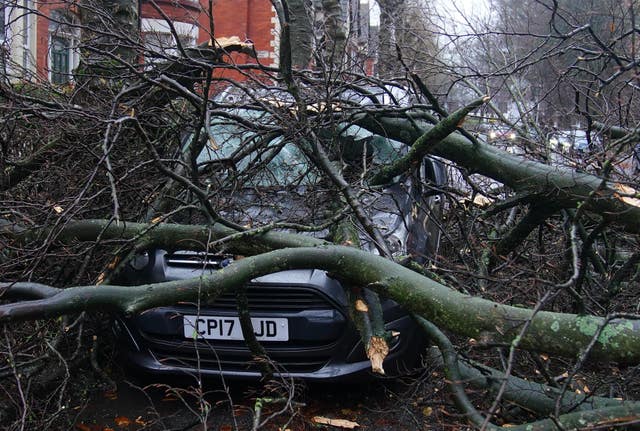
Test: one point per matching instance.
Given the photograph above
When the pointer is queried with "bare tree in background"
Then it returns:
(533, 295)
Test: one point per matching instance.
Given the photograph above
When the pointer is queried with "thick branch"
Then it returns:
(562, 334)
(563, 185)
(366, 314)
(536, 216)
(423, 145)
(606, 414)
(22, 169)
(167, 235)
(616, 132)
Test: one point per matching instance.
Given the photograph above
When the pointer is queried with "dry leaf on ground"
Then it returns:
(340, 423)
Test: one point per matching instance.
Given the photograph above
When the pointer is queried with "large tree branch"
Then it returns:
(168, 235)
(423, 145)
(559, 333)
(566, 187)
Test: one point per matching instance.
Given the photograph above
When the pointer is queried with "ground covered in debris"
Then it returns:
(412, 402)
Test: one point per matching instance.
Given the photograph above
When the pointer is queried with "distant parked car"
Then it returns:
(572, 140)
(501, 134)
(301, 316)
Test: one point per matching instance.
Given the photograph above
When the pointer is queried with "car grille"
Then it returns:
(261, 297)
(197, 260)
(276, 299)
(235, 356)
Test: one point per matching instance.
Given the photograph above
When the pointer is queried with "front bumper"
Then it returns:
(322, 342)
(342, 359)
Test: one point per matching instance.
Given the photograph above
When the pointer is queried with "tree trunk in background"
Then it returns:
(318, 29)
(334, 31)
(111, 35)
(390, 17)
(301, 30)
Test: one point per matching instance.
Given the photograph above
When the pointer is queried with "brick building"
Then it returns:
(39, 39)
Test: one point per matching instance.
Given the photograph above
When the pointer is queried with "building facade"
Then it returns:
(42, 40)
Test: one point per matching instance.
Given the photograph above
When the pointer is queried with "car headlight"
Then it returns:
(139, 261)
(396, 245)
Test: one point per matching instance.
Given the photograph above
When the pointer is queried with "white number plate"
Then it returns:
(228, 328)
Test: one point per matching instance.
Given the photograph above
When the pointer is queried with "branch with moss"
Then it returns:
(562, 334)
(607, 413)
(561, 185)
(165, 235)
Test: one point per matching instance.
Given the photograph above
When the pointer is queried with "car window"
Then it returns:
(284, 163)
(382, 150)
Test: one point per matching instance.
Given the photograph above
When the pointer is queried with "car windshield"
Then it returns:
(283, 163)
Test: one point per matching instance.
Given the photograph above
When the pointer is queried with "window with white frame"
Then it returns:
(160, 42)
(64, 36)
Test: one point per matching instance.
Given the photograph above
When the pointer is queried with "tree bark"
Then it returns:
(564, 186)
(167, 235)
(490, 322)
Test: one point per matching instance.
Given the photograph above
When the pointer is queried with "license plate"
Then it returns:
(228, 328)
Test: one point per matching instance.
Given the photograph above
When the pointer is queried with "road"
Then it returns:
(387, 404)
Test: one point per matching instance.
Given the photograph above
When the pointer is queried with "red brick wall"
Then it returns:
(42, 30)
(178, 10)
(247, 19)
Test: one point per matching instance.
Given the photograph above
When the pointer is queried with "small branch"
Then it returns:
(93, 357)
(259, 353)
(366, 315)
(508, 203)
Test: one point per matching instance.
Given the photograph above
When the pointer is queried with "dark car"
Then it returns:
(301, 317)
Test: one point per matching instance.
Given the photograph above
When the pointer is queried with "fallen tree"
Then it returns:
(613, 337)
(496, 293)
(609, 339)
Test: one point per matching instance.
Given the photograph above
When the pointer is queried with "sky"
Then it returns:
(454, 10)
